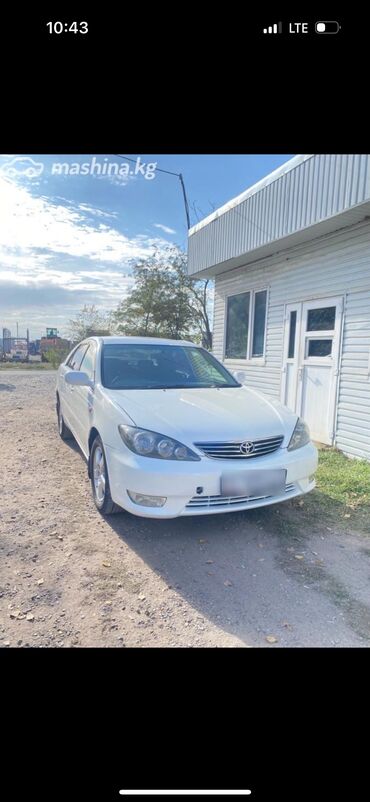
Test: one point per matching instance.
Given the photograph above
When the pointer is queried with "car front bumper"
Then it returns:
(178, 481)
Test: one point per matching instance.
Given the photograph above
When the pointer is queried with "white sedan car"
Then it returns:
(167, 430)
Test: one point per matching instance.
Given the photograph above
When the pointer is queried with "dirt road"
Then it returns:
(68, 577)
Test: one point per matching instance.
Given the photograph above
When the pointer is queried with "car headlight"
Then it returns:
(152, 444)
(300, 436)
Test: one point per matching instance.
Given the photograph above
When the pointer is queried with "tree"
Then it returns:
(56, 356)
(200, 291)
(165, 301)
(90, 322)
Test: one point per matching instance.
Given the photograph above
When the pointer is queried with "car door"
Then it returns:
(68, 397)
(83, 398)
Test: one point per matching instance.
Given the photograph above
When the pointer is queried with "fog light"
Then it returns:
(147, 501)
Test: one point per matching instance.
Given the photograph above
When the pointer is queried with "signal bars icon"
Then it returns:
(277, 27)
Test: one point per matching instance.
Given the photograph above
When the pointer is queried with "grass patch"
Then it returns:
(342, 494)
(343, 479)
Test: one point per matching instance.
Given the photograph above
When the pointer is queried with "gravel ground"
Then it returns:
(72, 578)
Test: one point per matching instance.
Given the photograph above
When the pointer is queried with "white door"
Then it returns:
(311, 360)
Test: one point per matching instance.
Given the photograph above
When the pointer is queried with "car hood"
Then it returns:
(202, 414)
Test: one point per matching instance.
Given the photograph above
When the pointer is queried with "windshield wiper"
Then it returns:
(174, 386)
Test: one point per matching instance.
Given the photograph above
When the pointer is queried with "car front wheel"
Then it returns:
(100, 480)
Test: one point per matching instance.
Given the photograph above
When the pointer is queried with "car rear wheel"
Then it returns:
(64, 432)
(100, 480)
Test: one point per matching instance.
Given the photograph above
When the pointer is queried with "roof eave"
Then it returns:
(328, 226)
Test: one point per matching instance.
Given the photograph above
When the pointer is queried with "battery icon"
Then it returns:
(327, 27)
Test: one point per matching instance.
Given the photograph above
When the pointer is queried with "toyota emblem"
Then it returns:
(247, 447)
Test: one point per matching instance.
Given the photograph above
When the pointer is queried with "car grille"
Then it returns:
(202, 502)
(232, 449)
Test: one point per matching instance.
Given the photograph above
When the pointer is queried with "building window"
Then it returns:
(321, 319)
(237, 326)
(259, 321)
(245, 325)
(319, 347)
(292, 329)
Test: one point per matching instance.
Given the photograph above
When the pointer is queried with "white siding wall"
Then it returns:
(353, 422)
(337, 264)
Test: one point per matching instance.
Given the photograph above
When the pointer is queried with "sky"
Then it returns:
(72, 226)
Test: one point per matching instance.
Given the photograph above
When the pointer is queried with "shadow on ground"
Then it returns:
(259, 572)
(249, 572)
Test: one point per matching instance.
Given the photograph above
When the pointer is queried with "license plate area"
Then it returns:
(253, 483)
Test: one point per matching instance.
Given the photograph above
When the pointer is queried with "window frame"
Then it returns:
(317, 334)
(248, 359)
(288, 319)
(71, 355)
(316, 309)
(233, 295)
(308, 357)
(92, 346)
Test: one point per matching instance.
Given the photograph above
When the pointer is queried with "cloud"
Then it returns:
(97, 212)
(116, 180)
(65, 254)
(36, 222)
(46, 303)
(14, 295)
(166, 229)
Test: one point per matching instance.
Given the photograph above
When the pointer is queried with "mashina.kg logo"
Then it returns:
(104, 168)
(22, 165)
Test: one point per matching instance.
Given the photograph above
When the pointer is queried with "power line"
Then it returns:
(179, 176)
(169, 172)
(134, 161)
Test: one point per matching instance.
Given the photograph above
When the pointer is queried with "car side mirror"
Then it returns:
(78, 379)
(240, 376)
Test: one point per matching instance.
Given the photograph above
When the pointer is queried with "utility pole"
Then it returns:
(17, 330)
(169, 172)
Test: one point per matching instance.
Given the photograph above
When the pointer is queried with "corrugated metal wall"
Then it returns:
(320, 187)
(338, 264)
(353, 422)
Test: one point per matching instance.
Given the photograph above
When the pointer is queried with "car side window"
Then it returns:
(71, 358)
(75, 360)
(88, 362)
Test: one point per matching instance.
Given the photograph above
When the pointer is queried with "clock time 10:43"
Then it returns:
(67, 27)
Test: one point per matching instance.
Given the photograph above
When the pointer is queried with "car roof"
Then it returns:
(111, 340)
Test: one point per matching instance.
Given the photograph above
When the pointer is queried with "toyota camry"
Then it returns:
(167, 430)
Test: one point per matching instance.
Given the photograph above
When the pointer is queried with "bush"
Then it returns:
(56, 356)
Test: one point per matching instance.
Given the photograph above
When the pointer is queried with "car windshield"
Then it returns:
(158, 367)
